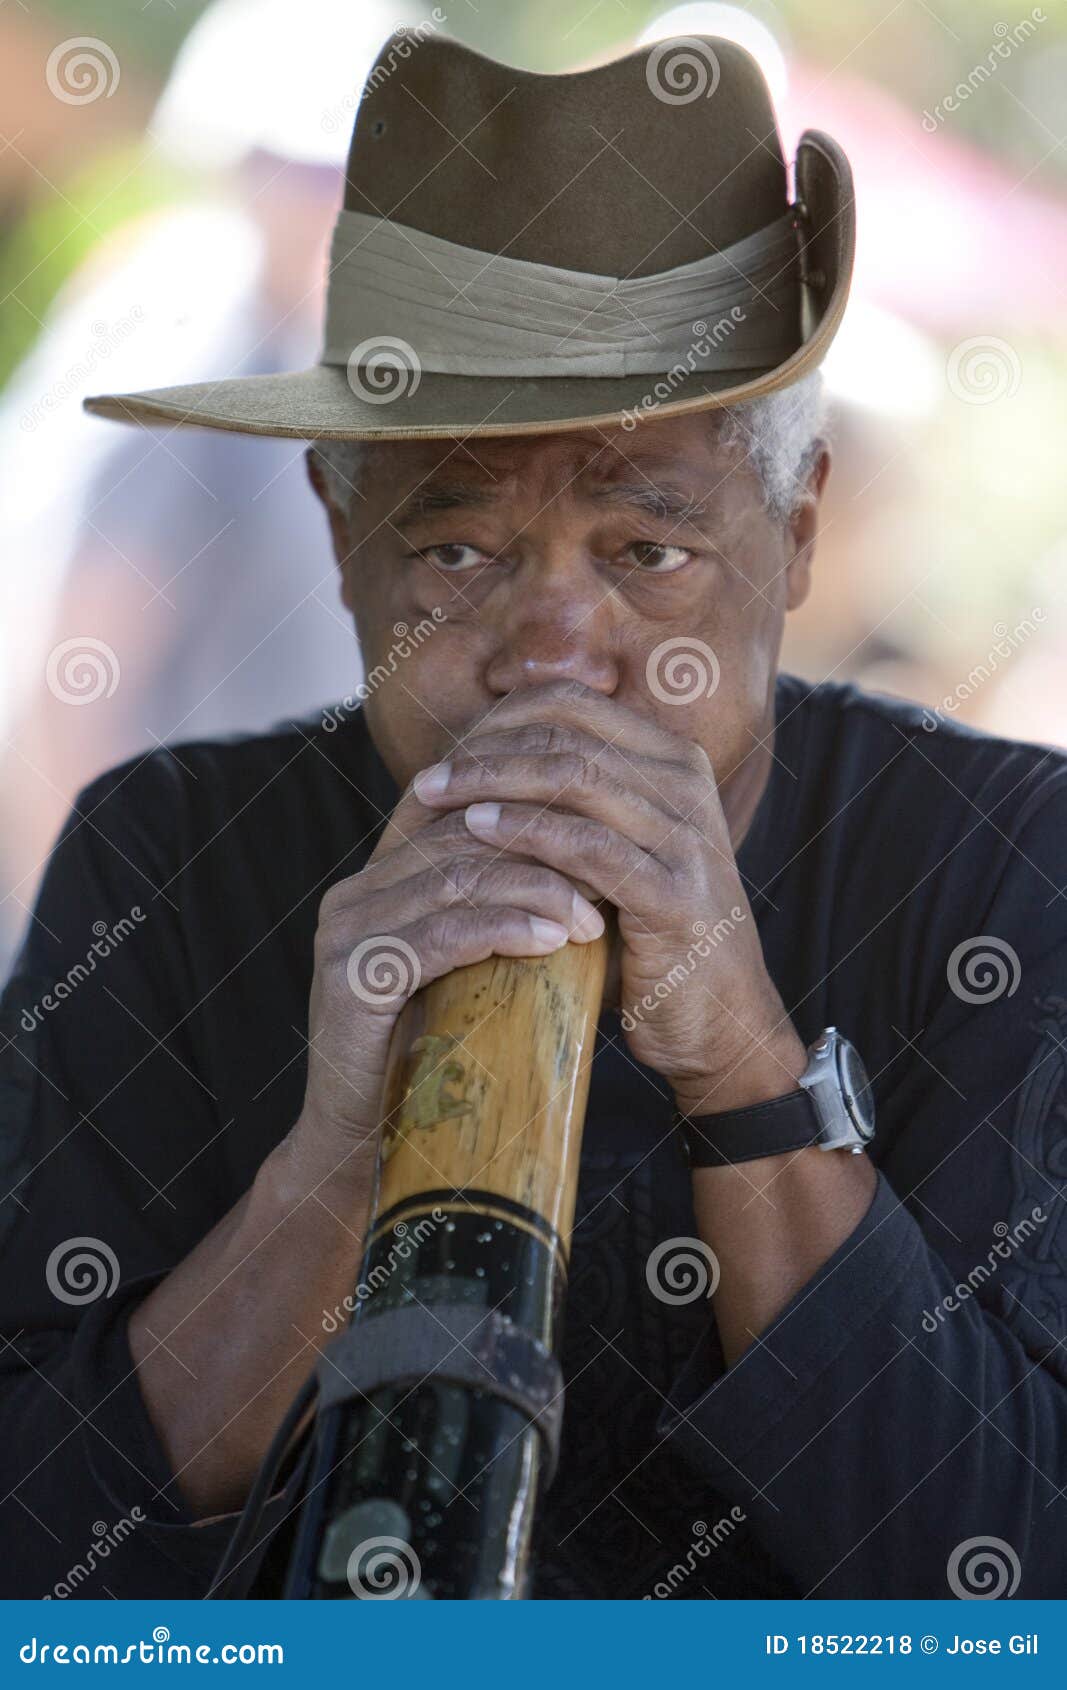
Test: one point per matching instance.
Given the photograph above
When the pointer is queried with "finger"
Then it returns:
(455, 938)
(409, 818)
(678, 789)
(479, 879)
(445, 836)
(646, 799)
(576, 783)
(675, 758)
(582, 707)
(384, 970)
(614, 866)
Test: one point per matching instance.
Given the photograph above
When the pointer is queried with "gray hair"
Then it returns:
(779, 433)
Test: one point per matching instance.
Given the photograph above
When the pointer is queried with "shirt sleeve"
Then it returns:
(900, 1430)
(111, 1161)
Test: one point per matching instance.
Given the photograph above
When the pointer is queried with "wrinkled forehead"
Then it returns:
(683, 453)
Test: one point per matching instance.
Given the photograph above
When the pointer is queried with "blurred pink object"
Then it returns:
(958, 239)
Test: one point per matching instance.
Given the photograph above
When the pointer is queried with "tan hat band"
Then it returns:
(464, 312)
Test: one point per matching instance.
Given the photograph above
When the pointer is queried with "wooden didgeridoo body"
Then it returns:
(483, 1109)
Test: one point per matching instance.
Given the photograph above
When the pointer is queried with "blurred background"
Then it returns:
(169, 172)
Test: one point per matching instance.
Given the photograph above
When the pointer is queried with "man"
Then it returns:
(874, 1403)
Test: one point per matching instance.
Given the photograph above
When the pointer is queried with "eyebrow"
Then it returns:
(655, 499)
(434, 496)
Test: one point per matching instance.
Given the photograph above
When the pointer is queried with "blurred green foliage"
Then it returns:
(150, 31)
(58, 231)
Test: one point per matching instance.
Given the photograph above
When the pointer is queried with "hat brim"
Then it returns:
(320, 403)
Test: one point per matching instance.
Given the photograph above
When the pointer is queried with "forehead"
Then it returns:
(684, 450)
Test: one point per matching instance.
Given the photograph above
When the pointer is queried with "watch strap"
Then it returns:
(774, 1128)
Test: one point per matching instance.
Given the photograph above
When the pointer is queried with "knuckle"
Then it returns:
(567, 691)
(444, 933)
(557, 693)
(507, 883)
(335, 899)
(444, 835)
(460, 878)
(336, 997)
(697, 759)
(556, 739)
(576, 770)
(600, 842)
(592, 839)
(329, 935)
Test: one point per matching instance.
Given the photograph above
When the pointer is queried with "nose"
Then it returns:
(546, 639)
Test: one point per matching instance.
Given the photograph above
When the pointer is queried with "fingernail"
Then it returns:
(588, 922)
(431, 782)
(548, 933)
(482, 818)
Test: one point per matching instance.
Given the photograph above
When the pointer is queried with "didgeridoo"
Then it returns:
(440, 1404)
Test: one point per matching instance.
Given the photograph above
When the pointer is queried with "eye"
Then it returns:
(651, 558)
(453, 557)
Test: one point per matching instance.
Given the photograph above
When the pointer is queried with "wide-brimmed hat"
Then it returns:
(518, 253)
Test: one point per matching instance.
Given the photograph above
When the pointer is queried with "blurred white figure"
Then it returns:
(176, 583)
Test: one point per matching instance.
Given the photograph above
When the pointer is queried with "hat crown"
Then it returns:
(534, 253)
(629, 168)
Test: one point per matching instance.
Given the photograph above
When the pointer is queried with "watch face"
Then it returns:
(856, 1087)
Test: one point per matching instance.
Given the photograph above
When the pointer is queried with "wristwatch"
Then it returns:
(833, 1108)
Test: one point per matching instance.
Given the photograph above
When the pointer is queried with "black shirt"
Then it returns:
(912, 1397)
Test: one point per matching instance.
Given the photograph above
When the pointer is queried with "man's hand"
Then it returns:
(613, 800)
(431, 899)
(242, 1314)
